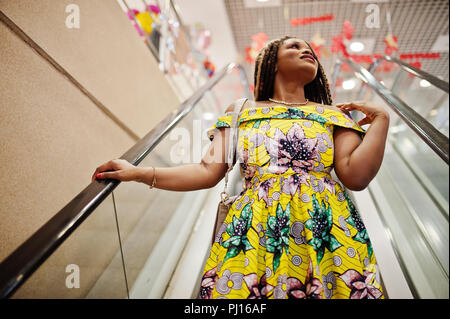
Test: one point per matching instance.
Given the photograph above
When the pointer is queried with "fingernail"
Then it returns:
(99, 175)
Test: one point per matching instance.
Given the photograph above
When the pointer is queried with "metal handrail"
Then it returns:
(20, 265)
(444, 86)
(441, 84)
(427, 132)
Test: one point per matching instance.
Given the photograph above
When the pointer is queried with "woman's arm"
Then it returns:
(205, 174)
(357, 162)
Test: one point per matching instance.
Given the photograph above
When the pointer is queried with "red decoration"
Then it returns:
(339, 44)
(316, 49)
(345, 68)
(308, 20)
(415, 64)
(259, 40)
(347, 30)
(250, 54)
(209, 67)
(386, 66)
(420, 55)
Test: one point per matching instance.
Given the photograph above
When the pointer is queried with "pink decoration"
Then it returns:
(154, 9)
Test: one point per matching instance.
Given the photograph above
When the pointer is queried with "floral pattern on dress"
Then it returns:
(293, 231)
(311, 289)
(320, 224)
(237, 230)
(291, 150)
(278, 234)
(362, 285)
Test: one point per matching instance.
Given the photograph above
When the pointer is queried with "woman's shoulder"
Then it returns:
(330, 107)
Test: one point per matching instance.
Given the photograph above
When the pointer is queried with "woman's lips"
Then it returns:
(309, 58)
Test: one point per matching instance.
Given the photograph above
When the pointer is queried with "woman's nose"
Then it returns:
(307, 51)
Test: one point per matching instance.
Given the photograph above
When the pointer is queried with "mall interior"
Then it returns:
(84, 82)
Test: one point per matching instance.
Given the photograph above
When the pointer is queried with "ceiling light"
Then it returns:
(259, 3)
(348, 84)
(424, 83)
(357, 46)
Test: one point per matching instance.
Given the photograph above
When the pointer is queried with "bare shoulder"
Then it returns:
(255, 104)
(247, 105)
(331, 107)
(335, 108)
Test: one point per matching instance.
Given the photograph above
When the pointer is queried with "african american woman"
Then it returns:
(293, 231)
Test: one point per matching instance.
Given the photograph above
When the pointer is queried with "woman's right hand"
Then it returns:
(119, 169)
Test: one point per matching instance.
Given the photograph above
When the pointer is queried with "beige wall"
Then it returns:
(52, 135)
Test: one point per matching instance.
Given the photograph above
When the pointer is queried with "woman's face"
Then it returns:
(295, 61)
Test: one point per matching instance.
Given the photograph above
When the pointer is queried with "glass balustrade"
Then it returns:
(130, 245)
(411, 188)
(155, 224)
(85, 265)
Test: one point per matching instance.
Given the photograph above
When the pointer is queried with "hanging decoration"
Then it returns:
(258, 41)
(317, 44)
(203, 38)
(308, 20)
(341, 41)
(347, 30)
(148, 20)
(209, 67)
(130, 15)
(420, 55)
(415, 64)
(145, 20)
(154, 8)
(391, 44)
(338, 45)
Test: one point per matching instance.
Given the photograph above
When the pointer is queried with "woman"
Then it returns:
(293, 232)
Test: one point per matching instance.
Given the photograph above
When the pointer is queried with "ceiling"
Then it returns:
(417, 24)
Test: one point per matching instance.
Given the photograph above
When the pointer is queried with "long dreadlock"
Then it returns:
(317, 90)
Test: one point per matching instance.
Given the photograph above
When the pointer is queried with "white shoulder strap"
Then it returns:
(233, 139)
(234, 131)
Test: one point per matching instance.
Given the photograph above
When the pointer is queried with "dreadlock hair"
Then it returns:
(317, 90)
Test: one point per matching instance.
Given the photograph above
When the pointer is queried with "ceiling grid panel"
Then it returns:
(416, 23)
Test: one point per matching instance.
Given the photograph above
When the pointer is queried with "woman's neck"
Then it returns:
(290, 92)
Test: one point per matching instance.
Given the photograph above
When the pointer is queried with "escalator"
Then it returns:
(122, 240)
(410, 192)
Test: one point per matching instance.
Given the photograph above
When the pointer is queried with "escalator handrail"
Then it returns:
(441, 84)
(437, 141)
(22, 262)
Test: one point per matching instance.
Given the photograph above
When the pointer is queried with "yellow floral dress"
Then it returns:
(293, 232)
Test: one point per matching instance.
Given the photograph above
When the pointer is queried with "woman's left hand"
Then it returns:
(371, 110)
